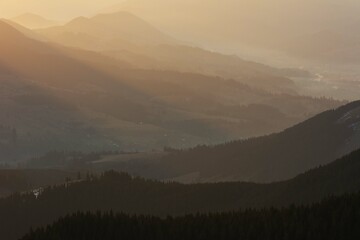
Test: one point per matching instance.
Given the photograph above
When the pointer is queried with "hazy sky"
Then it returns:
(66, 9)
(195, 20)
(58, 9)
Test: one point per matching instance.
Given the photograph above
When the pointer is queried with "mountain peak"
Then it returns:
(108, 30)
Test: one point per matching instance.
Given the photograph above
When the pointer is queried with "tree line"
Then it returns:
(332, 219)
(121, 192)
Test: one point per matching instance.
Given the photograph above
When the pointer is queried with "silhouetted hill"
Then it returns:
(333, 218)
(121, 193)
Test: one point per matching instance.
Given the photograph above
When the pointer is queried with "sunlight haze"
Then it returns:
(179, 119)
(50, 8)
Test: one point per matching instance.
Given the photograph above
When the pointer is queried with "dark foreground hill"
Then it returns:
(121, 193)
(335, 218)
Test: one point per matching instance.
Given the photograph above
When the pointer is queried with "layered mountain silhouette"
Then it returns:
(90, 101)
(128, 38)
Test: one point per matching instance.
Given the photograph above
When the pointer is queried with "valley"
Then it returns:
(182, 119)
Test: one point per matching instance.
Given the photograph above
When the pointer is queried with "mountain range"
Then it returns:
(107, 32)
(88, 101)
(313, 32)
(125, 36)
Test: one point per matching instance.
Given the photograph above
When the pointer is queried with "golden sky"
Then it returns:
(66, 9)
(57, 9)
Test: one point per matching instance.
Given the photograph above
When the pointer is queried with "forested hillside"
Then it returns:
(122, 193)
(332, 219)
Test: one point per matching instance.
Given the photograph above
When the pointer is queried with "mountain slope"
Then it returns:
(107, 31)
(279, 156)
(314, 142)
(37, 77)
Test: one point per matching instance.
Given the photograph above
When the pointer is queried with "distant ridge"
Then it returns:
(33, 21)
(109, 31)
